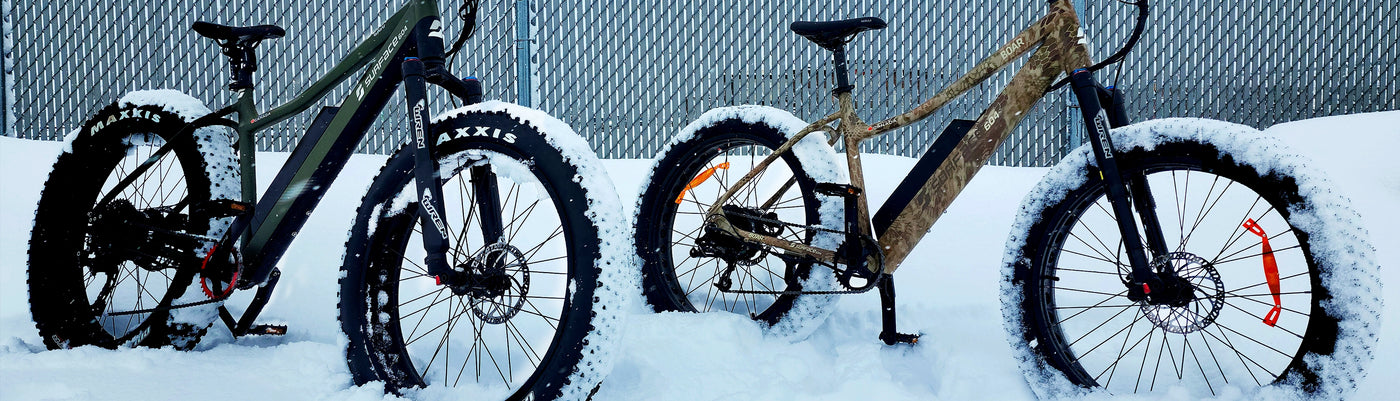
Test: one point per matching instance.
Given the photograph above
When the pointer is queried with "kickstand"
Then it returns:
(244, 325)
(887, 332)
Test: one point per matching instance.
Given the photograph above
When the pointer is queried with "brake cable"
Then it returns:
(1122, 51)
(467, 12)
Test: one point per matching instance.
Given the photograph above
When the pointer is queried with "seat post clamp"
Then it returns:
(243, 63)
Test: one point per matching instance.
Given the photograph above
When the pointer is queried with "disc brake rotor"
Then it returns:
(507, 278)
(1207, 290)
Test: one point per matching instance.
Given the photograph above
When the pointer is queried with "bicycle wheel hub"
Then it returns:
(150, 238)
(497, 283)
(716, 243)
(1192, 297)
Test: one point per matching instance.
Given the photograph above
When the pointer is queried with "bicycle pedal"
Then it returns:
(900, 338)
(267, 330)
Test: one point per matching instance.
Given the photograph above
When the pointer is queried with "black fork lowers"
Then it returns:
(425, 170)
(1090, 95)
(417, 73)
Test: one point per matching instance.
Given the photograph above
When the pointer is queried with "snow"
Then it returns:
(948, 291)
(172, 100)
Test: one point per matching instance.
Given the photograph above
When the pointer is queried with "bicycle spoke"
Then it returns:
(1201, 214)
(1276, 251)
(1137, 383)
(1110, 298)
(1128, 327)
(1096, 328)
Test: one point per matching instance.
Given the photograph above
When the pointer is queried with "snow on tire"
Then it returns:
(707, 147)
(1330, 301)
(563, 271)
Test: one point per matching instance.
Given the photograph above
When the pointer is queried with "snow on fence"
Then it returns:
(627, 74)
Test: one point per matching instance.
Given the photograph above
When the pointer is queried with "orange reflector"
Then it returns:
(700, 179)
(1270, 271)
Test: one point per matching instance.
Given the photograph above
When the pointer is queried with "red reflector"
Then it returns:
(1270, 271)
(438, 279)
(1145, 289)
(1272, 318)
(700, 179)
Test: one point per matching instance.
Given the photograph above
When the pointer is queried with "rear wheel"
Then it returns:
(685, 183)
(100, 272)
(1214, 211)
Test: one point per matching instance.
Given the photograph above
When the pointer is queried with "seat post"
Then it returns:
(843, 82)
(239, 43)
(244, 63)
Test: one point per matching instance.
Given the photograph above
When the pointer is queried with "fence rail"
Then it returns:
(628, 73)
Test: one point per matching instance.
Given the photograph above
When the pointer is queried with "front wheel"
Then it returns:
(534, 307)
(1247, 229)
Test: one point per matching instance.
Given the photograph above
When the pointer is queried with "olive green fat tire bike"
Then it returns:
(484, 257)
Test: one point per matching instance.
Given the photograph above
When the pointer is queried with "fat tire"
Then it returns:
(376, 352)
(790, 315)
(57, 296)
(1333, 349)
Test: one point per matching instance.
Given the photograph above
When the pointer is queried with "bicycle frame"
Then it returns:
(318, 158)
(1061, 49)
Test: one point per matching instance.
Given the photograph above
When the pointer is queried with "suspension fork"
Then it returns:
(488, 202)
(417, 74)
(425, 170)
(1143, 279)
(1137, 183)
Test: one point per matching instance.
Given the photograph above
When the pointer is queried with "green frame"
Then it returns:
(373, 56)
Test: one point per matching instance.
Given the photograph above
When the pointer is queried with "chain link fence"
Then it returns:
(627, 74)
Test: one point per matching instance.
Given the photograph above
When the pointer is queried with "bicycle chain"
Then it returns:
(879, 277)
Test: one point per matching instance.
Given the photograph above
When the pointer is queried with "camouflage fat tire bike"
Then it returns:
(1177, 258)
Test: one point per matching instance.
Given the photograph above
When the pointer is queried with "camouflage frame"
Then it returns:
(1061, 50)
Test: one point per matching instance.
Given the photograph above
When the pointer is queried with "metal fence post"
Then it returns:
(1073, 124)
(524, 85)
(6, 42)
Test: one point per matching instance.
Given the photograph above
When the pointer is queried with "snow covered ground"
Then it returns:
(947, 291)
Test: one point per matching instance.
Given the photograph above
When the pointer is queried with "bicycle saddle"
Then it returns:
(238, 35)
(831, 35)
